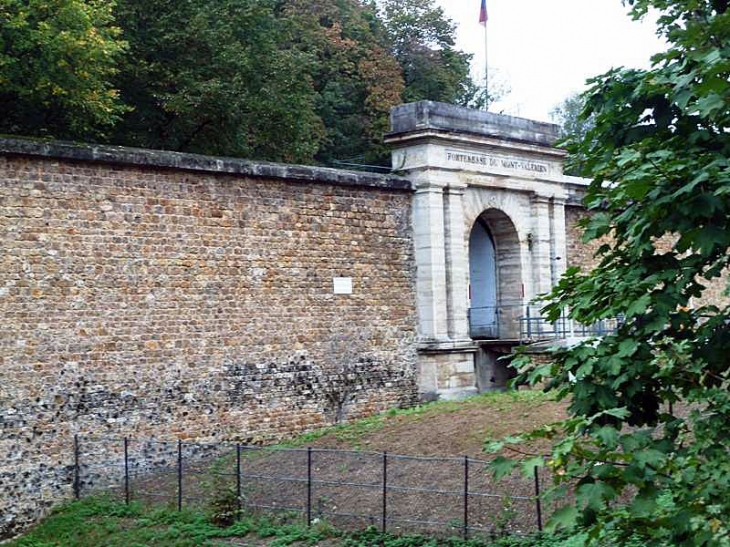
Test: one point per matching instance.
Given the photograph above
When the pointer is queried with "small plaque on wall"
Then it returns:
(342, 285)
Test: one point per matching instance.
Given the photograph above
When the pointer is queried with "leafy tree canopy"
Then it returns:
(210, 76)
(423, 41)
(647, 444)
(282, 80)
(57, 58)
(573, 127)
(356, 80)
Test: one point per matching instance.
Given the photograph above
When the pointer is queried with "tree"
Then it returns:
(659, 158)
(212, 77)
(57, 58)
(356, 79)
(423, 41)
(573, 127)
(281, 80)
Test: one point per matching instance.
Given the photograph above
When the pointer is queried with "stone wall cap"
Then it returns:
(121, 155)
(428, 115)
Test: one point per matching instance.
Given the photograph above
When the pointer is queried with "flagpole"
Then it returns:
(486, 66)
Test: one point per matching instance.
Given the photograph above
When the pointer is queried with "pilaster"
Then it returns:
(542, 245)
(456, 263)
(559, 242)
(428, 227)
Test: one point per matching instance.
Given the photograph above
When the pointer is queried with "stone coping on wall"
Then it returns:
(417, 117)
(121, 155)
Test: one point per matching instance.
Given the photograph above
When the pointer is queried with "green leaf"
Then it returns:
(628, 347)
(563, 519)
(620, 413)
(502, 467)
(529, 465)
(638, 306)
(595, 495)
(608, 436)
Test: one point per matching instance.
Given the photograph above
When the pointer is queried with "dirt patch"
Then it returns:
(457, 430)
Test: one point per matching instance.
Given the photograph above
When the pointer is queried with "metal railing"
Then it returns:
(352, 490)
(526, 323)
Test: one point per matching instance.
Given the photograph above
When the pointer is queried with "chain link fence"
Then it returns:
(350, 490)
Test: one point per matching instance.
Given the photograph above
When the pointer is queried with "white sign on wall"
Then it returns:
(342, 285)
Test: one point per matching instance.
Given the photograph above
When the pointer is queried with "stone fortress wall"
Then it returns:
(160, 295)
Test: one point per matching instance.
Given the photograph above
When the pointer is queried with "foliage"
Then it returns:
(356, 79)
(423, 41)
(102, 521)
(281, 80)
(57, 58)
(211, 76)
(646, 445)
(574, 127)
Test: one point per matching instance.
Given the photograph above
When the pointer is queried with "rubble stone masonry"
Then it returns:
(168, 296)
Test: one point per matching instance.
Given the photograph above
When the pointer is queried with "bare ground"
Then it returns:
(456, 429)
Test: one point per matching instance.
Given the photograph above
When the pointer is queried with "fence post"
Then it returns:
(126, 470)
(238, 479)
(309, 486)
(466, 497)
(538, 502)
(529, 322)
(77, 481)
(384, 525)
(179, 475)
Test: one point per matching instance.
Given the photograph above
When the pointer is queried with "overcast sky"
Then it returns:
(546, 49)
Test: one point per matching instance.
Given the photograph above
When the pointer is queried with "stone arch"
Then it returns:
(494, 229)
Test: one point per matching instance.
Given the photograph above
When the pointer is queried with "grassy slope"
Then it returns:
(452, 428)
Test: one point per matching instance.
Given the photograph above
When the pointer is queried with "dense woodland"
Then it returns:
(281, 80)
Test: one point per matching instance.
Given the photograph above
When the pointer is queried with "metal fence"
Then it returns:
(349, 489)
(526, 323)
(535, 327)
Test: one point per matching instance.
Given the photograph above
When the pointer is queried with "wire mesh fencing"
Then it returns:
(351, 490)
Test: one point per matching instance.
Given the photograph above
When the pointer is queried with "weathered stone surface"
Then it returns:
(424, 115)
(580, 254)
(168, 296)
(197, 163)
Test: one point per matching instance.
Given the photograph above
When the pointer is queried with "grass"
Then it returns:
(353, 433)
(94, 522)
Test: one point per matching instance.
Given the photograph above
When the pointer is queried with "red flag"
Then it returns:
(483, 18)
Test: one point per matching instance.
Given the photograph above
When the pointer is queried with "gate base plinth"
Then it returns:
(446, 370)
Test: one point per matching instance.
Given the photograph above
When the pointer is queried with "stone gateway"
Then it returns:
(163, 295)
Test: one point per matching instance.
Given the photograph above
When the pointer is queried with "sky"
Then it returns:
(546, 49)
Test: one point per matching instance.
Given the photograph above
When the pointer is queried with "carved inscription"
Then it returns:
(483, 160)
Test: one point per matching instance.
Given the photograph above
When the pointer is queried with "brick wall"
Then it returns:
(580, 254)
(151, 301)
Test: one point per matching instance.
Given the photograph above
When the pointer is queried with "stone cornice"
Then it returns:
(424, 115)
(437, 136)
(118, 155)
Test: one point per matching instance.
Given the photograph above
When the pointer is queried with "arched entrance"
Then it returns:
(483, 282)
(495, 277)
